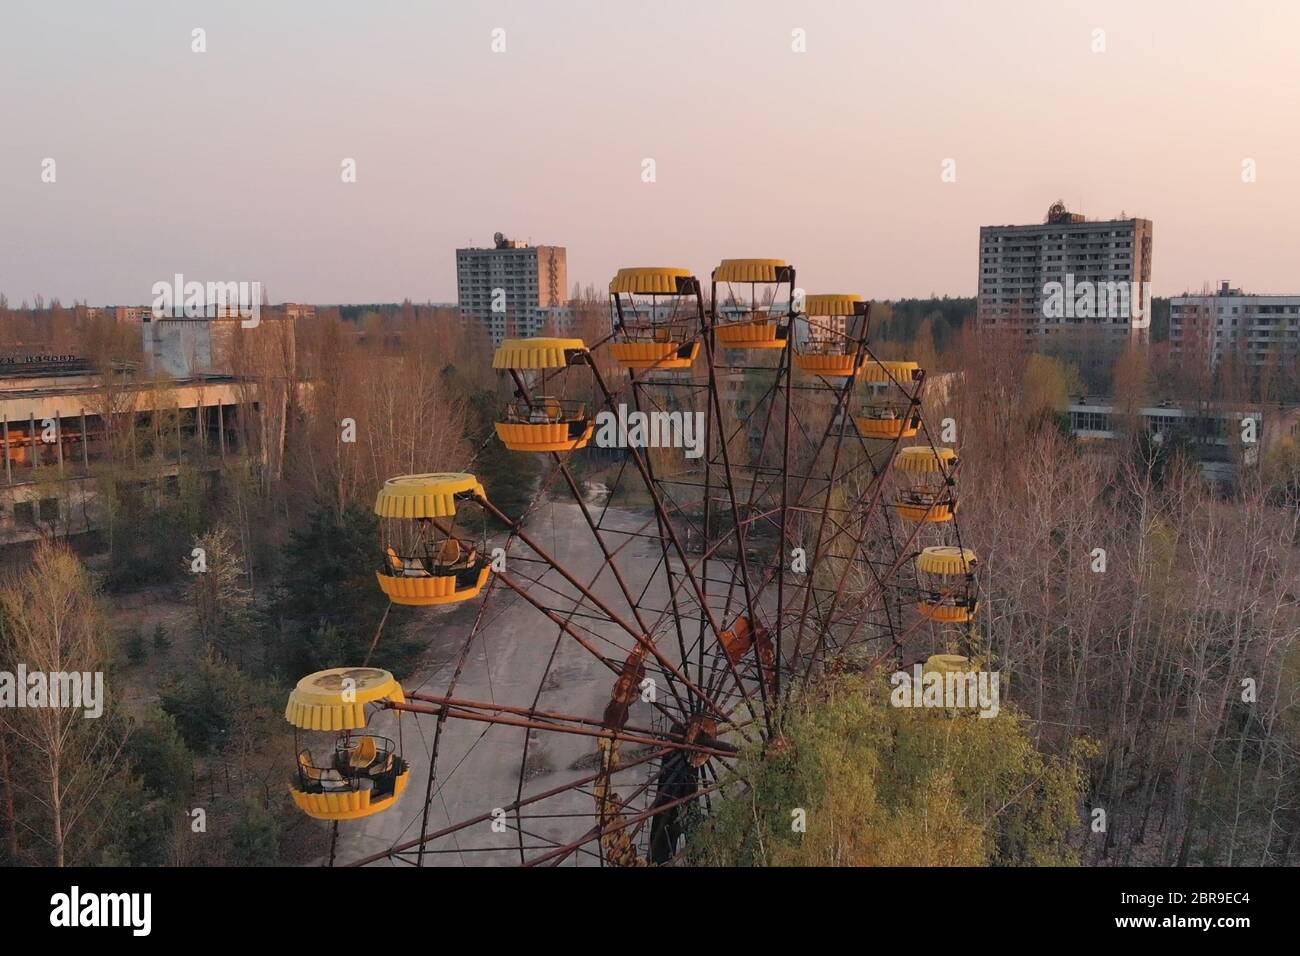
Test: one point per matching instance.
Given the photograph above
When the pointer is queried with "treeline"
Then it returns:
(932, 322)
(1128, 602)
(930, 329)
(269, 558)
(1179, 657)
(1146, 630)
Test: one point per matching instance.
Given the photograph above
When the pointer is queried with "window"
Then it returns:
(24, 513)
(49, 509)
(1091, 421)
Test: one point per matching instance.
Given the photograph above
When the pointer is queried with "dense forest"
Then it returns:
(1161, 692)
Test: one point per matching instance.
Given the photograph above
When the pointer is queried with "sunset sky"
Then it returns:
(225, 165)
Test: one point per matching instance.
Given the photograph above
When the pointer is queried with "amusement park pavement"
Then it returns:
(479, 764)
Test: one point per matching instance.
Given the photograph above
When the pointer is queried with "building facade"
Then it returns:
(1258, 330)
(60, 420)
(1066, 275)
(208, 390)
(1221, 437)
(511, 289)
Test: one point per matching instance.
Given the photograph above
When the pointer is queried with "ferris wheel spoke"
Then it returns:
(869, 509)
(438, 726)
(638, 636)
(642, 641)
(488, 713)
(488, 815)
(619, 825)
(665, 558)
(776, 556)
(670, 531)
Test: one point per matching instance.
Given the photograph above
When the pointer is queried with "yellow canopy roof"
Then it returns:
(424, 496)
(946, 560)
(336, 699)
(748, 270)
(535, 353)
(659, 280)
(831, 304)
(924, 460)
(879, 373)
(949, 664)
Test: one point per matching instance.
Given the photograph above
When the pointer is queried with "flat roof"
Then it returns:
(87, 387)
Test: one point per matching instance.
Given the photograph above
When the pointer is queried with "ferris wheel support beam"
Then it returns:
(872, 506)
(880, 580)
(784, 471)
(841, 406)
(586, 593)
(824, 509)
(484, 817)
(666, 739)
(903, 555)
(716, 407)
(660, 519)
(642, 639)
(857, 541)
(785, 501)
(862, 351)
(583, 729)
(567, 628)
(804, 478)
(638, 818)
(563, 467)
(783, 377)
(437, 730)
(646, 476)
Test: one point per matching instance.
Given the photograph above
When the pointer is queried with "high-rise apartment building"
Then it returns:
(1257, 330)
(512, 288)
(1065, 274)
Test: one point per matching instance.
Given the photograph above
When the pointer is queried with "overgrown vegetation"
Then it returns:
(854, 781)
(1150, 659)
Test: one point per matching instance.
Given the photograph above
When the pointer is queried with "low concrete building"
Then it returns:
(1223, 437)
(61, 422)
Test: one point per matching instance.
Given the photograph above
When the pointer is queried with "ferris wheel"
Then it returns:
(772, 506)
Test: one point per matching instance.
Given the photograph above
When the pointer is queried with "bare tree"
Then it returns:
(52, 624)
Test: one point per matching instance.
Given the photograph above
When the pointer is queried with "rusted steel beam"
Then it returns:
(601, 732)
(483, 817)
(599, 832)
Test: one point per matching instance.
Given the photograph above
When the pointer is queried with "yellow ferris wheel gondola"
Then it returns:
(941, 600)
(929, 495)
(657, 316)
(363, 774)
(542, 423)
(885, 416)
(826, 351)
(887, 423)
(752, 324)
(877, 372)
(424, 561)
